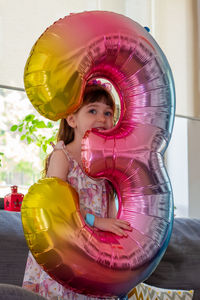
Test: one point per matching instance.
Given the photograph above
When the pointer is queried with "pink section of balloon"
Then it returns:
(108, 45)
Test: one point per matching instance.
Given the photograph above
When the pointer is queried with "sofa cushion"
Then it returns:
(12, 292)
(147, 292)
(180, 266)
(13, 248)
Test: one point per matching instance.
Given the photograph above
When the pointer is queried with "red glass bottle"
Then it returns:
(14, 200)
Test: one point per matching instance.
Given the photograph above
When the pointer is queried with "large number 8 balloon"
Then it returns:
(70, 52)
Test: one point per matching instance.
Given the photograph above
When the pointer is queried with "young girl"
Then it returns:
(96, 199)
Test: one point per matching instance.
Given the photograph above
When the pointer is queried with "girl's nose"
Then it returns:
(101, 118)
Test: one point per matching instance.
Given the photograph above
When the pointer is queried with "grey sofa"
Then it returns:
(13, 256)
(179, 268)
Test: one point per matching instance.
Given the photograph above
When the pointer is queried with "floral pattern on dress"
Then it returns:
(93, 197)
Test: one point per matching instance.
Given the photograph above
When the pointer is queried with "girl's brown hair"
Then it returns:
(93, 93)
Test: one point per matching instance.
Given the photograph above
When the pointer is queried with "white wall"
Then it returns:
(176, 31)
(194, 167)
(183, 165)
(177, 166)
(22, 22)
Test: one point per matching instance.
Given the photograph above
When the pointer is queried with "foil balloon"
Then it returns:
(69, 53)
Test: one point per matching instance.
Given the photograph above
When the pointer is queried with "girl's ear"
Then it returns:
(71, 120)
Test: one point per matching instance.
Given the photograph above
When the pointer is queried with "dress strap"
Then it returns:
(67, 154)
(61, 146)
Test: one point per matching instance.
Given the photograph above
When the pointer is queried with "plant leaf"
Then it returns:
(49, 125)
(30, 117)
(41, 124)
(29, 140)
(23, 137)
(14, 128)
(44, 148)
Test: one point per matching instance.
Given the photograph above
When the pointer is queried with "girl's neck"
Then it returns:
(74, 149)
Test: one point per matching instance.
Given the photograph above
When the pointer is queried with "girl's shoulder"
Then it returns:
(59, 155)
(58, 163)
(60, 151)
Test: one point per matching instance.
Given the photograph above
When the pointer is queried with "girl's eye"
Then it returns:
(92, 111)
(108, 114)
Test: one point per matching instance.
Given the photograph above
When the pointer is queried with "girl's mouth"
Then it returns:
(100, 128)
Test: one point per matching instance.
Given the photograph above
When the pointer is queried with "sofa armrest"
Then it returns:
(180, 266)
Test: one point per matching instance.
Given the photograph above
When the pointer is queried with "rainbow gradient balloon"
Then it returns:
(72, 51)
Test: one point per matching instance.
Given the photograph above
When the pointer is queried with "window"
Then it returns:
(21, 158)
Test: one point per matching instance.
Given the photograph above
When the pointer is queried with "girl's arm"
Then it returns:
(112, 224)
(112, 210)
(58, 165)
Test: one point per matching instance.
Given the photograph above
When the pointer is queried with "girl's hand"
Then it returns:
(112, 225)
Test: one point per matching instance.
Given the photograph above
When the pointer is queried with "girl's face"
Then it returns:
(92, 115)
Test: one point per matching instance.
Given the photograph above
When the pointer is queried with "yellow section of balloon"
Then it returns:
(48, 214)
(51, 81)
